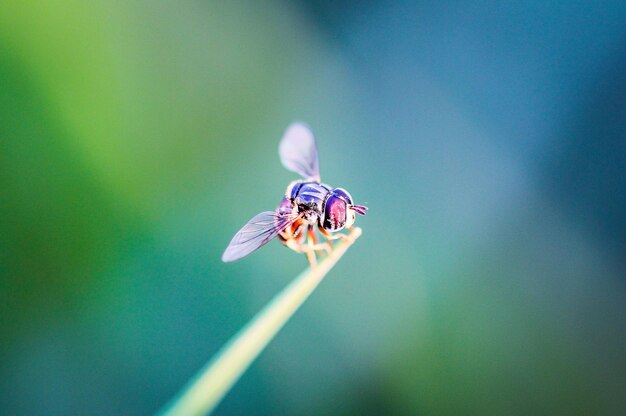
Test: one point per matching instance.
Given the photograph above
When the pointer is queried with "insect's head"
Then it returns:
(339, 211)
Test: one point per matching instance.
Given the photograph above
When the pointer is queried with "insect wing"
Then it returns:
(298, 151)
(256, 233)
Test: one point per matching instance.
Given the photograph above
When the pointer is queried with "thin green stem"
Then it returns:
(204, 392)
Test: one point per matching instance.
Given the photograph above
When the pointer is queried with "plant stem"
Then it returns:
(204, 392)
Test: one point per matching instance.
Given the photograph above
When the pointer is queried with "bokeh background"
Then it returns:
(488, 140)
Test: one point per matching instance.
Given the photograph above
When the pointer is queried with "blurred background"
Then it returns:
(488, 140)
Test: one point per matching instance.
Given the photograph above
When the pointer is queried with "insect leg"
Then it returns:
(313, 237)
(331, 237)
(303, 248)
(310, 253)
(310, 256)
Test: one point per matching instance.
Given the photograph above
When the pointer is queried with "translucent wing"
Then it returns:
(256, 233)
(298, 151)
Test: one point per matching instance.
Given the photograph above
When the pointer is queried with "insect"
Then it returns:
(307, 203)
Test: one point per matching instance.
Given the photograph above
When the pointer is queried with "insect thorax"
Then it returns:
(309, 196)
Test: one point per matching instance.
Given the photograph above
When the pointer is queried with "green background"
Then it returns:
(488, 140)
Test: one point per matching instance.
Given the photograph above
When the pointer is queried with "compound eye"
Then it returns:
(335, 213)
(340, 192)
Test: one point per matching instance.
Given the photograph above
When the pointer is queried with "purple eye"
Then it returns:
(335, 211)
(343, 194)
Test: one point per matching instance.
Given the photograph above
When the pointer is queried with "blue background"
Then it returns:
(487, 138)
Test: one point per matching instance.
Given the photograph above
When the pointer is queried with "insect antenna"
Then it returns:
(360, 209)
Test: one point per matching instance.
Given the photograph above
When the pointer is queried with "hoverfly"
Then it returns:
(307, 203)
